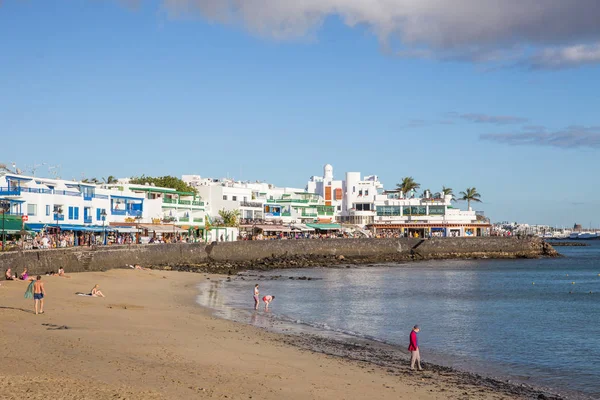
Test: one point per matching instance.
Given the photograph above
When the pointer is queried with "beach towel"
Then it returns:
(83, 294)
(29, 291)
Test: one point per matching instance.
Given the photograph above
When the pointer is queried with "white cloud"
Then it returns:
(570, 137)
(565, 57)
(540, 33)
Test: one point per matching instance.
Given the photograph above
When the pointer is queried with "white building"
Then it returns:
(363, 202)
(353, 199)
(85, 207)
(254, 200)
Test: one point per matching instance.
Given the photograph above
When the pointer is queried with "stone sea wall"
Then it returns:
(234, 256)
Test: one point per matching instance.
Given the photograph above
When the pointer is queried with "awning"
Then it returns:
(12, 226)
(274, 228)
(325, 227)
(302, 228)
(126, 229)
(162, 228)
(71, 228)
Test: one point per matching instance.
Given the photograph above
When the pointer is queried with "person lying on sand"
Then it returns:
(137, 266)
(24, 276)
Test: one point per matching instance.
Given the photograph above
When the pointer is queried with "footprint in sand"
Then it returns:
(53, 327)
(125, 306)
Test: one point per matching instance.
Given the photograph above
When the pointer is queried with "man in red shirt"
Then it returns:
(413, 347)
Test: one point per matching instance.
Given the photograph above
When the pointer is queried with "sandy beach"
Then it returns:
(148, 339)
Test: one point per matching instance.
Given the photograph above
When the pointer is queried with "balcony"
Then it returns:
(184, 219)
(8, 191)
(198, 203)
(118, 212)
(185, 202)
(88, 197)
(168, 200)
(307, 214)
(199, 220)
(87, 220)
(286, 214)
(252, 204)
(59, 217)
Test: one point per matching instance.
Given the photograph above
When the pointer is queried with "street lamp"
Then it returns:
(4, 207)
(103, 215)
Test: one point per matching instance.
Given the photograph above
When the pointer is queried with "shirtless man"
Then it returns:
(38, 294)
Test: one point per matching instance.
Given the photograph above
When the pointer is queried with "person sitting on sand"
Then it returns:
(9, 275)
(96, 291)
(61, 273)
(268, 300)
(24, 276)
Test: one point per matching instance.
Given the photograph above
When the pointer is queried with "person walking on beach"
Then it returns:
(256, 293)
(268, 300)
(413, 347)
(38, 294)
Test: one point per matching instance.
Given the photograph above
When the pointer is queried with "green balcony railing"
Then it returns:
(184, 219)
(198, 203)
(310, 214)
(169, 200)
(198, 219)
(185, 202)
(286, 214)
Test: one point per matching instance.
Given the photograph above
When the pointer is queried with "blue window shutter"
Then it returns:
(76, 212)
(70, 212)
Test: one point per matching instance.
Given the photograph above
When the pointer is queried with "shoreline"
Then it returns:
(149, 339)
(385, 355)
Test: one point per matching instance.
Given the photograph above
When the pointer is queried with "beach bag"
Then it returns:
(29, 291)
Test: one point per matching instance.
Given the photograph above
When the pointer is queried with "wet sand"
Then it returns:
(150, 340)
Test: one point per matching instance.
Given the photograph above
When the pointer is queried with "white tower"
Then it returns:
(328, 172)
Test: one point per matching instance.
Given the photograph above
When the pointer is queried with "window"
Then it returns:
(99, 213)
(366, 192)
(73, 212)
(339, 208)
(360, 192)
(31, 209)
(225, 197)
(245, 199)
(234, 198)
(353, 189)
(47, 209)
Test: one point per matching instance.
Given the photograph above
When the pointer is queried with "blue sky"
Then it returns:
(106, 88)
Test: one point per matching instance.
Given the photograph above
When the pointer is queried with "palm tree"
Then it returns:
(110, 180)
(470, 195)
(408, 184)
(448, 191)
(426, 194)
(230, 218)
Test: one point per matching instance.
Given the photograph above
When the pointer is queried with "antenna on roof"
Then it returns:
(32, 168)
(54, 170)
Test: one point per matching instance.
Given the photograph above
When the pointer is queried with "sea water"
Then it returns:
(532, 321)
